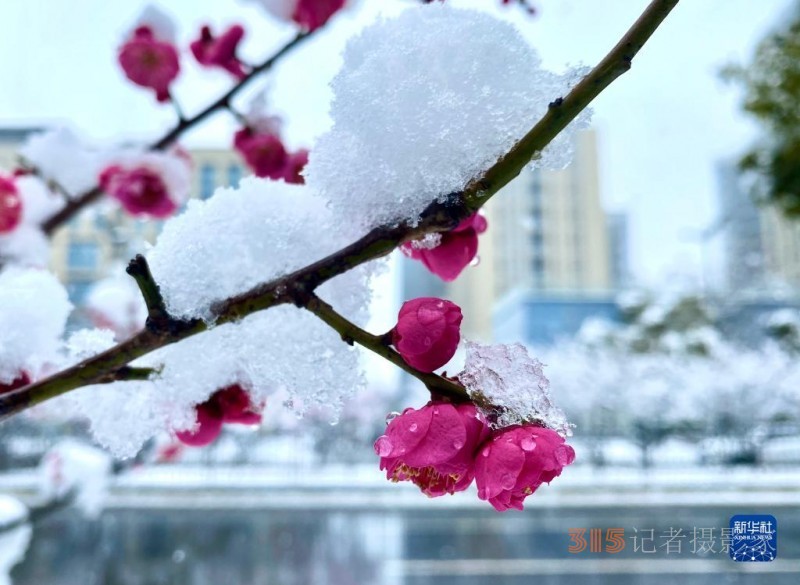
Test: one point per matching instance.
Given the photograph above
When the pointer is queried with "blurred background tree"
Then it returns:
(771, 82)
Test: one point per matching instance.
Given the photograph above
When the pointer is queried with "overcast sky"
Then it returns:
(662, 126)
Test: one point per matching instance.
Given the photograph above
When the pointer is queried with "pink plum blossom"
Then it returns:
(262, 151)
(427, 332)
(220, 51)
(516, 461)
(295, 163)
(154, 184)
(236, 406)
(433, 447)
(231, 404)
(10, 206)
(455, 251)
(150, 61)
(208, 428)
(312, 14)
(140, 190)
(23, 379)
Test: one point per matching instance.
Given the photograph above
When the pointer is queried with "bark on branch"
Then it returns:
(377, 243)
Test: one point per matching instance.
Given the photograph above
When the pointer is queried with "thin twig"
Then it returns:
(184, 124)
(377, 243)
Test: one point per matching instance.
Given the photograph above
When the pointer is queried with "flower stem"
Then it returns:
(351, 332)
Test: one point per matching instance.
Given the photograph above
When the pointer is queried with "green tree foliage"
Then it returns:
(772, 95)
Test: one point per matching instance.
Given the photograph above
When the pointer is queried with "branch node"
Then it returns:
(157, 317)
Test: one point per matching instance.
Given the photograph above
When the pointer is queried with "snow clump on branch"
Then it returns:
(424, 103)
(216, 249)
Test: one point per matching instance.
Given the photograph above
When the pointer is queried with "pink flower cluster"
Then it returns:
(455, 251)
(265, 154)
(442, 447)
(231, 405)
(10, 205)
(150, 59)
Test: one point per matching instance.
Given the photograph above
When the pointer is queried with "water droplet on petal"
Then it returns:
(458, 444)
(391, 416)
(413, 428)
(485, 452)
(475, 261)
(528, 444)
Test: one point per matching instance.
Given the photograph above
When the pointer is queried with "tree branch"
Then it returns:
(351, 332)
(139, 269)
(377, 243)
(78, 203)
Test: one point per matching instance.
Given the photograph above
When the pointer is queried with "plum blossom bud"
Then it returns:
(10, 205)
(516, 461)
(295, 163)
(427, 332)
(455, 251)
(433, 447)
(231, 404)
(150, 61)
(152, 184)
(236, 406)
(208, 428)
(309, 14)
(312, 14)
(220, 51)
(262, 151)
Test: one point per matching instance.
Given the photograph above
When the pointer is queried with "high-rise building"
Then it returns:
(762, 247)
(548, 233)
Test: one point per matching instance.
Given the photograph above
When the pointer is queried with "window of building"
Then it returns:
(234, 175)
(82, 256)
(208, 181)
(78, 290)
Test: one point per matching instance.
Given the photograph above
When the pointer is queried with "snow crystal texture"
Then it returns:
(33, 312)
(218, 248)
(424, 103)
(513, 383)
(62, 156)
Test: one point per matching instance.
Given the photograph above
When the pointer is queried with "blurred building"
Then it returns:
(548, 236)
(762, 248)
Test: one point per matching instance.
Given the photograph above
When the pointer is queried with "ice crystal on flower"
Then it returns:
(425, 102)
(513, 383)
(427, 242)
(33, 312)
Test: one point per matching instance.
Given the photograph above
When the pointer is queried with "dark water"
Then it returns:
(409, 547)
